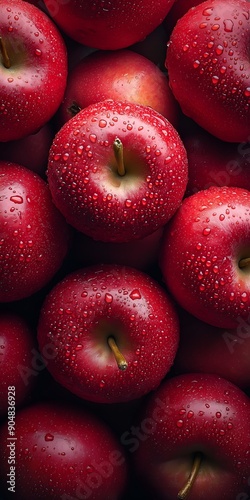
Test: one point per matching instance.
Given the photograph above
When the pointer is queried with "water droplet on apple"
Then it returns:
(196, 64)
(247, 92)
(108, 298)
(135, 294)
(190, 414)
(49, 437)
(228, 25)
(16, 199)
(206, 231)
(93, 138)
(179, 423)
(218, 414)
(215, 79)
(102, 384)
(244, 297)
(102, 123)
(38, 52)
(229, 425)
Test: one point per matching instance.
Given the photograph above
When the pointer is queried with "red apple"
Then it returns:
(117, 171)
(16, 344)
(56, 452)
(206, 348)
(212, 162)
(121, 75)
(95, 311)
(33, 69)
(108, 25)
(208, 53)
(34, 236)
(199, 424)
(205, 255)
(31, 151)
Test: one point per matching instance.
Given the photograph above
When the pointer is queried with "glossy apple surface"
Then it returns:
(16, 343)
(208, 53)
(121, 75)
(85, 181)
(188, 415)
(89, 306)
(34, 235)
(33, 69)
(108, 25)
(205, 255)
(62, 453)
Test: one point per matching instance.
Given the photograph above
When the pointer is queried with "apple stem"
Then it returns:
(118, 152)
(3, 51)
(183, 493)
(244, 262)
(121, 361)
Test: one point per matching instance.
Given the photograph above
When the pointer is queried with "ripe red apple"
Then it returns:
(114, 330)
(108, 25)
(61, 452)
(33, 69)
(117, 171)
(205, 255)
(34, 236)
(16, 344)
(206, 348)
(212, 162)
(31, 151)
(208, 53)
(121, 75)
(199, 424)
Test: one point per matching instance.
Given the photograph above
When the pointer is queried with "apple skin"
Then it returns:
(84, 180)
(94, 303)
(206, 348)
(63, 452)
(200, 254)
(212, 162)
(34, 235)
(16, 343)
(108, 25)
(121, 75)
(193, 413)
(208, 54)
(31, 151)
(32, 89)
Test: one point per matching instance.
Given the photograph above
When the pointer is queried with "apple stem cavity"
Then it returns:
(118, 152)
(121, 361)
(244, 263)
(4, 53)
(184, 492)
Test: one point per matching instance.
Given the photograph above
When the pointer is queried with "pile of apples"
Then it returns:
(125, 249)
